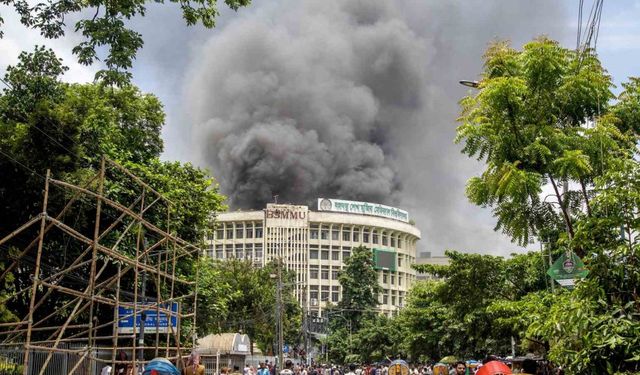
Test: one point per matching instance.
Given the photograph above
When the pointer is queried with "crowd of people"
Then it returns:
(490, 366)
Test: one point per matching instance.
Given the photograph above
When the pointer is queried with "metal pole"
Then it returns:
(280, 328)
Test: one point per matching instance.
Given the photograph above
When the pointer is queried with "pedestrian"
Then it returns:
(122, 367)
(459, 368)
(193, 365)
(262, 369)
(287, 368)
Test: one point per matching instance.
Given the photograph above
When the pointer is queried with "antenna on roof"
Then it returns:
(275, 199)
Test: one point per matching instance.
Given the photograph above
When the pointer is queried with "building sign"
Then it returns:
(153, 319)
(364, 208)
(567, 269)
(287, 216)
(384, 260)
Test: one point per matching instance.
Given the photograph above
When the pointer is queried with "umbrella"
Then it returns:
(449, 359)
(160, 366)
(493, 368)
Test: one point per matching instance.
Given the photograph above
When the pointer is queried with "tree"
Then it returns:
(104, 24)
(239, 297)
(528, 122)
(360, 288)
(542, 116)
(47, 124)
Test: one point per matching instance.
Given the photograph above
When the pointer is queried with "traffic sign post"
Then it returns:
(567, 269)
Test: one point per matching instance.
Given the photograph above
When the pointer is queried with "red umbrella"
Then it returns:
(494, 368)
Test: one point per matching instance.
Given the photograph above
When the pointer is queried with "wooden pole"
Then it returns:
(36, 274)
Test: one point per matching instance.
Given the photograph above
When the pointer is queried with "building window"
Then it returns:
(375, 237)
(239, 252)
(356, 235)
(314, 234)
(365, 236)
(249, 231)
(400, 280)
(313, 295)
(335, 235)
(335, 255)
(393, 280)
(334, 274)
(400, 260)
(393, 300)
(325, 293)
(345, 255)
(335, 296)
(240, 231)
(325, 274)
(346, 234)
(258, 232)
(325, 255)
(385, 299)
(385, 240)
(259, 251)
(219, 234)
(219, 252)
(399, 242)
(313, 273)
(393, 241)
(313, 254)
(324, 234)
(248, 250)
(229, 233)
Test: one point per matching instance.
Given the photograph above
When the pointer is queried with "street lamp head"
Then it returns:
(468, 83)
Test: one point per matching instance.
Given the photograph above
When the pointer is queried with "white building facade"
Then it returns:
(315, 244)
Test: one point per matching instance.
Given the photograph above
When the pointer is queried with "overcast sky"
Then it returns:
(347, 98)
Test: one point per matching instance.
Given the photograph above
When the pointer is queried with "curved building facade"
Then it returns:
(315, 244)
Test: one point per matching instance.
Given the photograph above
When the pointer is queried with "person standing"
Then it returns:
(287, 368)
(459, 368)
(193, 365)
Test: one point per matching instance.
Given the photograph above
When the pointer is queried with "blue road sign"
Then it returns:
(152, 321)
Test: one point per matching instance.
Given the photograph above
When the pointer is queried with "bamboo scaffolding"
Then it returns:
(81, 323)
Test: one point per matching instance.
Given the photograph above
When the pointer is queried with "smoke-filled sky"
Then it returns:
(353, 99)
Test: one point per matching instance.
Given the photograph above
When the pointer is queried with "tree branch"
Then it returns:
(565, 215)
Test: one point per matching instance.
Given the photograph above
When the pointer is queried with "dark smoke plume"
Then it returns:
(353, 99)
(306, 106)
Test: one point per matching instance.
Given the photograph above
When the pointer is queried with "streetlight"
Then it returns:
(469, 83)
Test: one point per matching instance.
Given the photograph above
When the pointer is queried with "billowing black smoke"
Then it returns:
(353, 99)
(307, 106)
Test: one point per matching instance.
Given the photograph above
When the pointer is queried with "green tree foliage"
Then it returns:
(104, 26)
(452, 316)
(532, 122)
(360, 288)
(47, 124)
(542, 116)
(243, 299)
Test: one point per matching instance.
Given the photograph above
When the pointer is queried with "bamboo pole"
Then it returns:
(116, 313)
(135, 285)
(35, 241)
(36, 272)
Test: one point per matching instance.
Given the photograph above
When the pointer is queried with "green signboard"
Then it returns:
(567, 269)
(384, 260)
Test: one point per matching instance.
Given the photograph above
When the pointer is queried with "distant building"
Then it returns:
(315, 245)
(426, 258)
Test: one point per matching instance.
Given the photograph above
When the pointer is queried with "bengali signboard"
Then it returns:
(153, 319)
(567, 269)
(363, 208)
